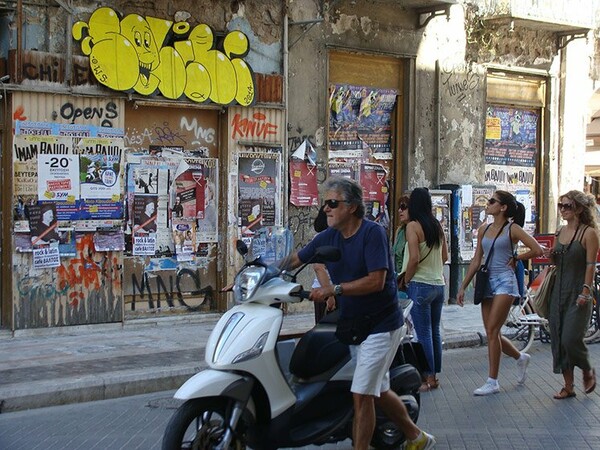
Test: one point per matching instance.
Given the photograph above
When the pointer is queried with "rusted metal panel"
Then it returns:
(269, 88)
(59, 108)
(39, 66)
(191, 128)
(161, 284)
(86, 288)
(255, 125)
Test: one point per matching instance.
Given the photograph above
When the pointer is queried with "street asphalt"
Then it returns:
(45, 367)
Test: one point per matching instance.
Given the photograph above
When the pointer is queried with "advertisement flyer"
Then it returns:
(47, 257)
(258, 190)
(303, 180)
(100, 177)
(58, 176)
(144, 214)
(184, 236)
(144, 245)
(43, 224)
(373, 179)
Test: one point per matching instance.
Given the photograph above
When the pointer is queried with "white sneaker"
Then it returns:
(487, 389)
(424, 442)
(522, 364)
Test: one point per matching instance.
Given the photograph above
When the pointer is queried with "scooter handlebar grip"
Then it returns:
(302, 294)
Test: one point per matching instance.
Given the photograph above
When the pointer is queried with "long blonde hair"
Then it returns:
(587, 216)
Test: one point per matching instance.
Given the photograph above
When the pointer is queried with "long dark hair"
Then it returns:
(420, 210)
(512, 206)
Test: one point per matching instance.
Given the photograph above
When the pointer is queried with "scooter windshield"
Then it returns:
(272, 244)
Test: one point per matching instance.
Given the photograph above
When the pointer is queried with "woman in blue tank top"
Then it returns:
(503, 287)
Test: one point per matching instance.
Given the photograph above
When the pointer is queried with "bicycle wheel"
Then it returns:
(519, 328)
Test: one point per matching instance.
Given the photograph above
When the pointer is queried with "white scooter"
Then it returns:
(249, 399)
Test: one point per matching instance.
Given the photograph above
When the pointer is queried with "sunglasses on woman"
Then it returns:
(334, 203)
(403, 207)
(492, 200)
(567, 206)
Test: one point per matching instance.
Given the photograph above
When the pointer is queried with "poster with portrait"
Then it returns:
(258, 191)
(184, 237)
(144, 214)
(43, 224)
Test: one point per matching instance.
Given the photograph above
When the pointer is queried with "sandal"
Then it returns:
(589, 382)
(429, 385)
(425, 387)
(564, 393)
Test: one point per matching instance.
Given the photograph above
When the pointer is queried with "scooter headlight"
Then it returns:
(246, 283)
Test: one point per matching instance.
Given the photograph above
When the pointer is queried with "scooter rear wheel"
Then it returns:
(201, 424)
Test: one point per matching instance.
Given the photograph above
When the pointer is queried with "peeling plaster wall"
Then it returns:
(261, 20)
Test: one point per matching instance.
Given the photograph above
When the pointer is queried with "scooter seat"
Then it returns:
(318, 351)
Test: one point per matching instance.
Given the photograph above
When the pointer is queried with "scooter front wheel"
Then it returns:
(201, 424)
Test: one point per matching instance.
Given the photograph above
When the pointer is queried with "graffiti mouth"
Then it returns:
(145, 69)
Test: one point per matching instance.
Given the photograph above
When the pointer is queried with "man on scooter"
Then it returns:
(364, 284)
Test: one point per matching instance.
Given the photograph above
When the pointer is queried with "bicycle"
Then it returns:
(522, 320)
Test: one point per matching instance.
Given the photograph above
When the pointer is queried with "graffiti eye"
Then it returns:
(147, 40)
(137, 38)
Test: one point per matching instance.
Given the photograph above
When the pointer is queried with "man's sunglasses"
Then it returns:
(403, 207)
(566, 206)
(334, 203)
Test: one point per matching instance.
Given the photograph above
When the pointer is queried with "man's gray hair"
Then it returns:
(350, 190)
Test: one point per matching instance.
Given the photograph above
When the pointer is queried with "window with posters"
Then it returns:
(511, 153)
(364, 131)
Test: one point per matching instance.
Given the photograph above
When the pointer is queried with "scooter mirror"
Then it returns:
(327, 253)
(241, 247)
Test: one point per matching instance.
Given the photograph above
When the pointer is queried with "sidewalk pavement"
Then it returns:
(45, 367)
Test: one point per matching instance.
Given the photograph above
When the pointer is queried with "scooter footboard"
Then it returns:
(404, 379)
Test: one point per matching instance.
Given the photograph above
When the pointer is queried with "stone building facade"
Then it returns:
(459, 95)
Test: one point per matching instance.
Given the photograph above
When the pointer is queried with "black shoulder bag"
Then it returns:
(482, 277)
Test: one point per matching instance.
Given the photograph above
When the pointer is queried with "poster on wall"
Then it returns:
(373, 179)
(43, 224)
(360, 121)
(100, 176)
(155, 172)
(184, 236)
(196, 196)
(258, 189)
(511, 149)
(472, 215)
(58, 177)
(303, 176)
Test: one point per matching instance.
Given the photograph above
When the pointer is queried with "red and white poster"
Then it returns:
(303, 180)
(373, 179)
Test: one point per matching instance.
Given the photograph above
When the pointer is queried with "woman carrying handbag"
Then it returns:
(570, 306)
(503, 287)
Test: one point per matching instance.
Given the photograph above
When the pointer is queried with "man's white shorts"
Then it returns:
(373, 359)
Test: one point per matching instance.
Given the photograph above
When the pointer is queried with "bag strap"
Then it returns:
(494, 241)
(423, 258)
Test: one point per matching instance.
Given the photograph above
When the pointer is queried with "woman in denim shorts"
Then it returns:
(503, 287)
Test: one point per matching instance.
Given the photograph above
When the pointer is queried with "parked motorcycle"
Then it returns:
(263, 393)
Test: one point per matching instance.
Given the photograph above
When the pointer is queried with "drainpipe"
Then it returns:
(19, 41)
(69, 61)
(437, 140)
(285, 151)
